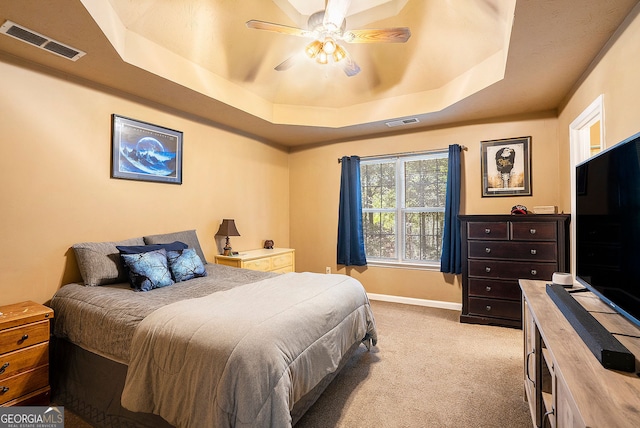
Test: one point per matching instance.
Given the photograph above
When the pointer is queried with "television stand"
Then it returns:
(565, 385)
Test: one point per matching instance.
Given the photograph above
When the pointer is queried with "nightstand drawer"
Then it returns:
(25, 359)
(259, 264)
(535, 251)
(23, 336)
(23, 383)
(281, 261)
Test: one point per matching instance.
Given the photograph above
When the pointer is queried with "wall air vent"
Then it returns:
(402, 122)
(38, 40)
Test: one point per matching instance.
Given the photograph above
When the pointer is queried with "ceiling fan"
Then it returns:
(327, 28)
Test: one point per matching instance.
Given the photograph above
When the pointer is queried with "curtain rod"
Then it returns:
(424, 152)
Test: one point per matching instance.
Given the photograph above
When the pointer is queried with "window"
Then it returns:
(403, 202)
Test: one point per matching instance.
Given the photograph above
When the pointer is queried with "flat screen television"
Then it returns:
(607, 217)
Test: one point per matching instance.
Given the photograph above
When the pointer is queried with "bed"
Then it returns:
(227, 348)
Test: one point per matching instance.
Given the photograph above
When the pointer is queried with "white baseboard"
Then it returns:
(417, 302)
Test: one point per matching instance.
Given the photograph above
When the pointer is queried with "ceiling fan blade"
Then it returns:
(278, 28)
(349, 66)
(335, 12)
(287, 63)
(384, 35)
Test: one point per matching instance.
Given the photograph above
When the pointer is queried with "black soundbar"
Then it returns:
(607, 349)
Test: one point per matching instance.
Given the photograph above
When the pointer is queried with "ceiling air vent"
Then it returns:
(43, 42)
(402, 122)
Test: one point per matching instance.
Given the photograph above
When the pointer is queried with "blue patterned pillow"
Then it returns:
(148, 270)
(185, 264)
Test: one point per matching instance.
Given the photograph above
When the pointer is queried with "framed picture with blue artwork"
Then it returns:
(506, 167)
(146, 152)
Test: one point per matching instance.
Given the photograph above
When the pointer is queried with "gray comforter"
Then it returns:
(240, 356)
(103, 319)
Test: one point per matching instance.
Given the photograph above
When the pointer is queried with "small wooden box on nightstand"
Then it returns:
(24, 354)
(280, 260)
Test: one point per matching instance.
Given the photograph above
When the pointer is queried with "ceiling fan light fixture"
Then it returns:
(313, 48)
(322, 57)
(329, 46)
(339, 54)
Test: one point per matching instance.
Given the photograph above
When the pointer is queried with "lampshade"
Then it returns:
(313, 48)
(329, 46)
(339, 54)
(228, 228)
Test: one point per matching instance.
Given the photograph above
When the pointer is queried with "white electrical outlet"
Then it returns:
(327, 270)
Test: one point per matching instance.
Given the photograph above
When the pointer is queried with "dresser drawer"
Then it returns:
(535, 251)
(23, 383)
(23, 336)
(25, 359)
(496, 289)
(511, 270)
(495, 308)
(531, 231)
(488, 230)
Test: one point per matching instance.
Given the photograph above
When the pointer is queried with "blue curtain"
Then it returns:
(451, 260)
(350, 234)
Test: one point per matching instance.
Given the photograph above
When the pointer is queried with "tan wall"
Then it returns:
(315, 188)
(56, 187)
(615, 75)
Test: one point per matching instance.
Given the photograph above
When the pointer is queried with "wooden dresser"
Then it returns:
(280, 260)
(497, 250)
(24, 354)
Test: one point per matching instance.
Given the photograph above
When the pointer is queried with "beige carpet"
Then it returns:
(428, 370)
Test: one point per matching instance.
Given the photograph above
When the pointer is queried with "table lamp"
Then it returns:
(227, 228)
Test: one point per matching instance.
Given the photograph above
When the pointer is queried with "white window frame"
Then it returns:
(400, 210)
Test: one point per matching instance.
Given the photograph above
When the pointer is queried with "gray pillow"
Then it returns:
(100, 262)
(189, 237)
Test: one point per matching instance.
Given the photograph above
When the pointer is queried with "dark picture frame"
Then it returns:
(145, 152)
(506, 167)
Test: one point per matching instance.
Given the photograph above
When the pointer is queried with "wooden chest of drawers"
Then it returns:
(24, 354)
(497, 250)
(280, 260)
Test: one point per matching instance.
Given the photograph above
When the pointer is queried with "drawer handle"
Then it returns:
(526, 364)
(4, 367)
(488, 308)
(487, 269)
(487, 250)
(24, 337)
(488, 288)
(534, 272)
(4, 389)
(532, 231)
(534, 252)
(487, 231)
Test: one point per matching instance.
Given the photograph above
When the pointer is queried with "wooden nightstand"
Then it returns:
(24, 354)
(280, 260)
